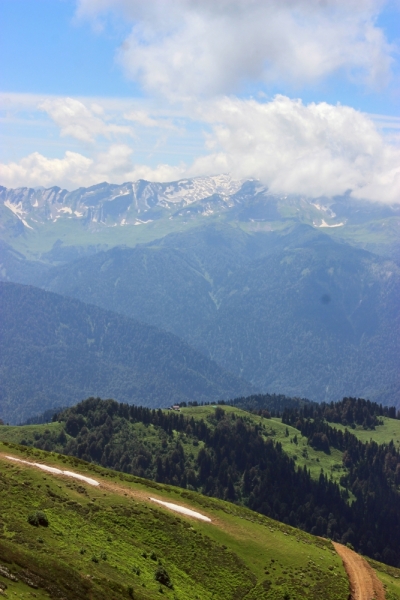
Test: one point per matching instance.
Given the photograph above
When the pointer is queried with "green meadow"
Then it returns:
(293, 443)
(382, 434)
(111, 541)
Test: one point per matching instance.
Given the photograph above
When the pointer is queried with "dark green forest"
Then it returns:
(228, 457)
(55, 351)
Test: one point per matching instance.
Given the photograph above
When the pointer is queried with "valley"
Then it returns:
(56, 350)
(290, 312)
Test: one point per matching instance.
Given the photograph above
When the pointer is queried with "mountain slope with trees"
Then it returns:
(55, 350)
(230, 456)
(292, 312)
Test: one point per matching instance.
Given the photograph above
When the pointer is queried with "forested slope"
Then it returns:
(292, 312)
(56, 350)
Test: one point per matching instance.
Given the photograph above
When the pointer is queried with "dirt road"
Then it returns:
(364, 583)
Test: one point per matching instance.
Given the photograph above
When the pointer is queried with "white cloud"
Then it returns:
(186, 48)
(37, 170)
(142, 117)
(75, 170)
(75, 119)
(315, 150)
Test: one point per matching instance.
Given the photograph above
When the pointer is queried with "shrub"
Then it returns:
(95, 559)
(42, 518)
(161, 575)
(38, 518)
(33, 520)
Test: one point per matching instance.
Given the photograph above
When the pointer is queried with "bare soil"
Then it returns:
(364, 583)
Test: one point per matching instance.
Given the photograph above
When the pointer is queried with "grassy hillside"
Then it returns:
(382, 434)
(248, 459)
(293, 443)
(296, 445)
(56, 350)
(152, 439)
(110, 541)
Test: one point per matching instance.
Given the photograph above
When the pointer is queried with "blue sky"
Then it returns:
(121, 89)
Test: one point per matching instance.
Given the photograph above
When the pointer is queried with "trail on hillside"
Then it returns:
(364, 583)
(111, 487)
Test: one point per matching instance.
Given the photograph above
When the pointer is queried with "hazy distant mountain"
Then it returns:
(55, 351)
(142, 211)
(292, 312)
(257, 282)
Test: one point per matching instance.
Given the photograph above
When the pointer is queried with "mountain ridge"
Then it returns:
(136, 211)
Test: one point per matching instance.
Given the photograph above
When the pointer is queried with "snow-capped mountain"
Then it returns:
(159, 208)
(110, 204)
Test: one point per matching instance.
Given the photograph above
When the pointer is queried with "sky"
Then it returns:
(301, 94)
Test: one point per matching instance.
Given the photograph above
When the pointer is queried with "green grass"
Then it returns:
(239, 555)
(26, 433)
(302, 453)
(390, 578)
(382, 434)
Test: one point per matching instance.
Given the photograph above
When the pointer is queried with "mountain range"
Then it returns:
(282, 292)
(35, 219)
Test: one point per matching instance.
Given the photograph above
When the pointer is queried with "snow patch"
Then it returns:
(139, 222)
(324, 224)
(26, 224)
(15, 208)
(182, 509)
(55, 471)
